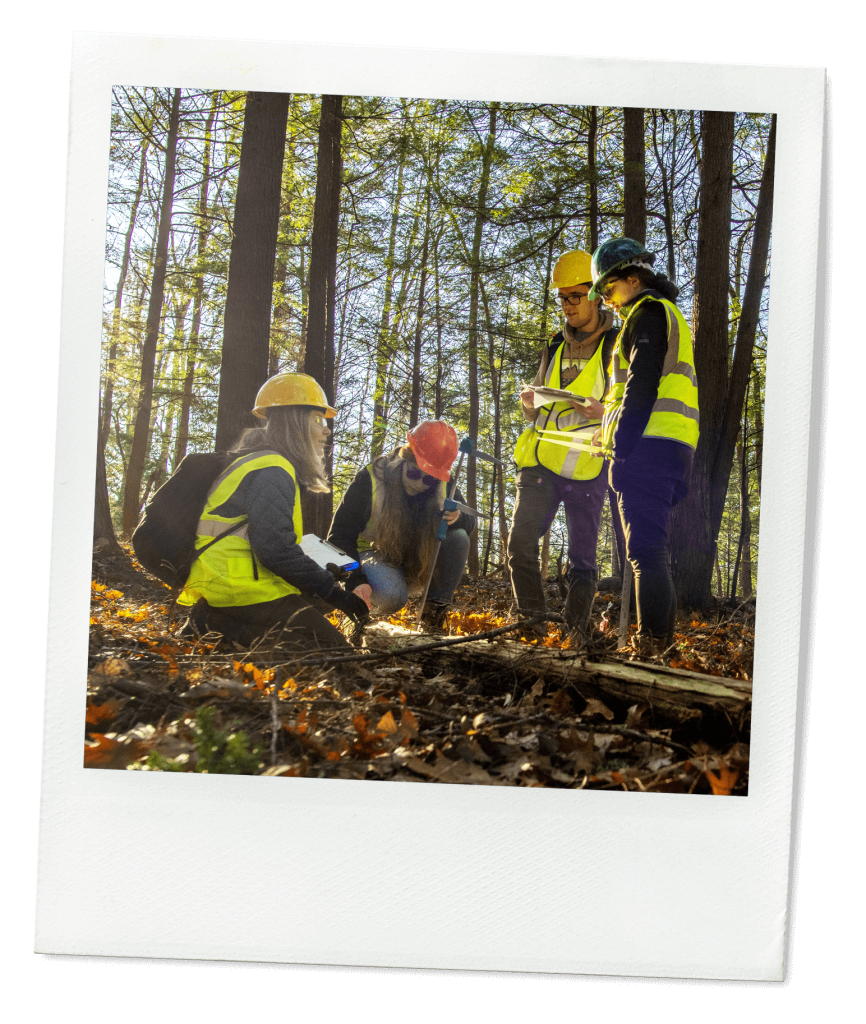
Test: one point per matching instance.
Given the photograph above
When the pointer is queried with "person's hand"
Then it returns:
(527, 397)
(451, 517)
(592, 410)
(365, 592)
(596, 439)
(348, 603)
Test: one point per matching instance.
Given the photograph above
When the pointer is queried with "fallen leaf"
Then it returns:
(596, 707)
(386, 723)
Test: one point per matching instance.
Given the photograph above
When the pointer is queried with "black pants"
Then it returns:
(648, 484)
(289, 623)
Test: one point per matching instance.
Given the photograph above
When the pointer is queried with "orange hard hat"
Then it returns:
(434, 445)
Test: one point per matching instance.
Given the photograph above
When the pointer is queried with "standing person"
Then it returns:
(388, 520)
(549, 474)
(650, 425)
(256, 580)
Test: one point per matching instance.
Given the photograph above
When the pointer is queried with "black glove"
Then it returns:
(349, 603)
(337, 571)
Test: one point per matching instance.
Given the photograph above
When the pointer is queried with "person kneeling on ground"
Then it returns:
(388, 520)
(256, 582)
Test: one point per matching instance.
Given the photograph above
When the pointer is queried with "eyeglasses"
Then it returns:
(574, 299)
(414, 473)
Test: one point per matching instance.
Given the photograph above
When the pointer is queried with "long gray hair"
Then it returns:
(288, 431)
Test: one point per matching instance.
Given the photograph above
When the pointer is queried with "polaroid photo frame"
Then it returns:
(502, 879)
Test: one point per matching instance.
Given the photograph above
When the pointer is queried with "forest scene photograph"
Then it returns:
(430, 440)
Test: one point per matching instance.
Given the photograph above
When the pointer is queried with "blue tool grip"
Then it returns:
(450, 504)
(443, 529)
(466, 445)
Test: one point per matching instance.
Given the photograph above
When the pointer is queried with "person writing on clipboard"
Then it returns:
(549, 471)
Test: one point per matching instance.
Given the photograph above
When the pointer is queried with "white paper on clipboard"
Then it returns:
(544, 396)
(324, 554)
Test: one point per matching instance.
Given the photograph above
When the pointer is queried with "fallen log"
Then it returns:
(676, 691)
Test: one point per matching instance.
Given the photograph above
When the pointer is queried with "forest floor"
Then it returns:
(158, 701)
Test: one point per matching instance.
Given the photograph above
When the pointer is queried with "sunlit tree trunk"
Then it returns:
(141, 430)
(474, 287)
(319, 351)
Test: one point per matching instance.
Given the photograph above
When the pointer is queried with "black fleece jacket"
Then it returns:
(267, 496)
(644, 345)
(354, 513)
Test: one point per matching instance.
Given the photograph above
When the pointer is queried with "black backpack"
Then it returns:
(164, 540)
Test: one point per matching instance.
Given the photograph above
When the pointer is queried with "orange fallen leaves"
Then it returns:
(723, 783)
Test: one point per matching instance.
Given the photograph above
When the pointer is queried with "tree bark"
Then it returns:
(693, 538)
(474, 288)
(591, 143)
(247, 323)
(415, 407)
(141, 430)
(634, 173)
(319, 351)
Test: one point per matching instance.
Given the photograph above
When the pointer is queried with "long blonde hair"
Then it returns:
(288, 431)
(405, 534)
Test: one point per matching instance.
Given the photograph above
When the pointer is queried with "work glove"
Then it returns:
(337, 571)
(348, 603)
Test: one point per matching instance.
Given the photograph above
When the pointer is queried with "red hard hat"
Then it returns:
(434, 445)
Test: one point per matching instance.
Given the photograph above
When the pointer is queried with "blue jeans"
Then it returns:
(388, 583)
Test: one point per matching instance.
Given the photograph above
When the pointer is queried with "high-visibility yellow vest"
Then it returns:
(675, 411)
(228, 573)
(533, 449)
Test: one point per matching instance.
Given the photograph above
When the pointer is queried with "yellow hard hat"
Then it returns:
(292, 389)
(573, 267)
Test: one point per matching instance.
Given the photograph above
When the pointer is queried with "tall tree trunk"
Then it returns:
(474, 287)
(247, 321)
(141, 430)
(698, 520)
(693, 537)
(319, 352)
(105, 419)
(745, 581)
(103, 528)
(634, 173)
(383, 342)
(415, 407)
(591, 144)
(667, 192)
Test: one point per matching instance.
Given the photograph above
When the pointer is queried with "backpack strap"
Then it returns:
(231, 529)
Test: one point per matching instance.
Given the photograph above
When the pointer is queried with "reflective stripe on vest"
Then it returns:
(571, 463)
(228, 573)
(675, 411)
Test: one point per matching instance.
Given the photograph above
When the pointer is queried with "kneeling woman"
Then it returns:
(255, 581)
(388, 520)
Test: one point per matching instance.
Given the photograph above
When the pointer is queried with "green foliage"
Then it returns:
(219, 751)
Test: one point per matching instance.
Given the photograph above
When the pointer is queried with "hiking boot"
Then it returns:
(434, 618)
(578, 605)
(644, 647)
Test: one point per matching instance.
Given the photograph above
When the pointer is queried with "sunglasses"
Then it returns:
(414, 473)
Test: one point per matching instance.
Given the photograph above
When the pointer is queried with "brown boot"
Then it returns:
(434, 618)
(644, 647)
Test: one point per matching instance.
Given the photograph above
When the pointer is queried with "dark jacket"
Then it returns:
(267, 496)
(354, 513)
(644, 346)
